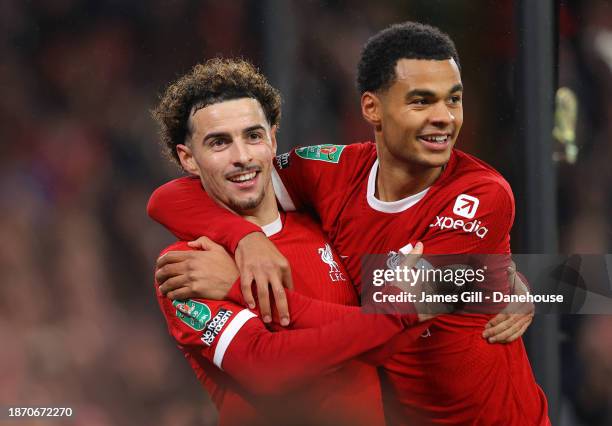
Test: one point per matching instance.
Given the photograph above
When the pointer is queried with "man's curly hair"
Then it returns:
(217, 80)
(409, 40)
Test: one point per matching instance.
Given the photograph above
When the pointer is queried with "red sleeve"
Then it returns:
(264, 362)
(485, 229)
(267, 362)
(186, 210)
(308, 313)
(302, 177)
(311, 313)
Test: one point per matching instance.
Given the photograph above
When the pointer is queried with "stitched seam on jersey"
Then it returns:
(281, 192)
(229, 333)
(273, 228)
(389, 206)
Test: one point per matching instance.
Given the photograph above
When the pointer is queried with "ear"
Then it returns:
(273, 130)
(187, 161)
(371, 108)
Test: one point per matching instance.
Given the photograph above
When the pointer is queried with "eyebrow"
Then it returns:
(255, 127)
(225, 134)
(429, 94)
(215, 135)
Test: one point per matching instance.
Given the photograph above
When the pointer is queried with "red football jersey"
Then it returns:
(469, 209)
(245, 367)
(452, 375)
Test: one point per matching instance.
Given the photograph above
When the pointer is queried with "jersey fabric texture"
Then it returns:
(246, 368)
(451, 375)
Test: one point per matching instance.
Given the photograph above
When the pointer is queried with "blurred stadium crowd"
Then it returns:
(79, 324)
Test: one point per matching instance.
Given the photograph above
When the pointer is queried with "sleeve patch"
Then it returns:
(192, 313)
(327, 153)
(215, 326)
(283, 160)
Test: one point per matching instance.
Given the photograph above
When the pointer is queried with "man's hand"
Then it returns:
(512, 322)
(260, 261)
(425, 311)
(208, 272)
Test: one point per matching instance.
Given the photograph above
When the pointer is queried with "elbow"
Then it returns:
(267, 382)
(153, 205)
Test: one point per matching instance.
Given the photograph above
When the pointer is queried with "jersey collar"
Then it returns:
(274, 227)
(389, 206)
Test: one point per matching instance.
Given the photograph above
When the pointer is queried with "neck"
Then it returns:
(396, 179)
(266, 212)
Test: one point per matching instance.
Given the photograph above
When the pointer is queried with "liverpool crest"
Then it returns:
(327, 256)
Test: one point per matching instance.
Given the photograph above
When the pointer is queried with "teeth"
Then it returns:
(436, 139)
(243, 178)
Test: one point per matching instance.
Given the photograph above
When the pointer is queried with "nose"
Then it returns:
(441, 115)
(241, 154)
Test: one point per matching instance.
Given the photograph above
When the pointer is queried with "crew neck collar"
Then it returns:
(273, 227)
(389, 206)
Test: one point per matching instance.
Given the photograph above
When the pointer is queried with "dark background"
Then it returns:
(79, 156)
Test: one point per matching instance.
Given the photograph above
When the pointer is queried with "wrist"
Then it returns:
(238, 245)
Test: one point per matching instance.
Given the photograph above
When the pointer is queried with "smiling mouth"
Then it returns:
(243, 177)
(437, 139)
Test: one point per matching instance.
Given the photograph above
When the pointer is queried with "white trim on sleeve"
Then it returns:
(281, 192)
(229, 333)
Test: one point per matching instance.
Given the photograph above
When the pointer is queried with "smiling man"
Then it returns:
(410, 185)
(241, 189)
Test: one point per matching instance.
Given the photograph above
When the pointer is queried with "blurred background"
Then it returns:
(79, 156)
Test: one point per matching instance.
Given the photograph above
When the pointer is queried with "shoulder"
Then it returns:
(359, 153)
(327, 155)
(470, 174)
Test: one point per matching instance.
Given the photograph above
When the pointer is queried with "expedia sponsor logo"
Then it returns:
(474, 226)
(215, 326)
(466, 206)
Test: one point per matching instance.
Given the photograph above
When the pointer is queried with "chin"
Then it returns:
(246, 204)
(434, 160)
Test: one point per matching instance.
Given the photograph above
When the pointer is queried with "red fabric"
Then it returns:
(311, 313)
(324, 336)
(432, 378)
(451, 375)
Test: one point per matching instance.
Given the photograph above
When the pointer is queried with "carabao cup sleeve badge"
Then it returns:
(327, 153)
(194, 314)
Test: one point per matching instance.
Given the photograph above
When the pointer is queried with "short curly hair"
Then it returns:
(217, 80)
(408, 40)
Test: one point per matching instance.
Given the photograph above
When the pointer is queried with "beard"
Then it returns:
(245, 206)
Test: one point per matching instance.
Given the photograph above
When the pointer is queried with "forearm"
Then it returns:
(307, 312)
(269, 363)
